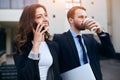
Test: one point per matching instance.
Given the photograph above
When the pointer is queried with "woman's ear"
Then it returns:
(70, 20)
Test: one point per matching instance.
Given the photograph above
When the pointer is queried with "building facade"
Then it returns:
(106, 12)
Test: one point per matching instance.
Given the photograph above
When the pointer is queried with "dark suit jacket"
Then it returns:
(27, 69)
(68, 56)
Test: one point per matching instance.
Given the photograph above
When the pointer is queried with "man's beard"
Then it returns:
(79, 27)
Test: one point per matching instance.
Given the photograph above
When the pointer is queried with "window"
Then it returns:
(71, 3)
(15, 4)
(4, 4)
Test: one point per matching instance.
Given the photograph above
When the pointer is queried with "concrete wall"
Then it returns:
(10, 15)
(106, 12)
(98, 10)
(116, 24)
(57, 24)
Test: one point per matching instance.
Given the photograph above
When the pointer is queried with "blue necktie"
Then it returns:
(83, 49)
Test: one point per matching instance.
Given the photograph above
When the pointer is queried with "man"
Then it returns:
(72, 53)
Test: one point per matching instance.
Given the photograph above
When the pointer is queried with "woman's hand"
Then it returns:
(38, 36)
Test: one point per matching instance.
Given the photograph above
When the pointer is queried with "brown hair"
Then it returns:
(25, 33)
(71, 12)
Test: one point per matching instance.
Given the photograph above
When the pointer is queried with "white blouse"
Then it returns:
(45, 59)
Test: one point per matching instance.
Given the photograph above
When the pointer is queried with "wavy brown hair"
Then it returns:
(25, 33)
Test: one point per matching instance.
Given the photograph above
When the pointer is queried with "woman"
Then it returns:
(36, 55)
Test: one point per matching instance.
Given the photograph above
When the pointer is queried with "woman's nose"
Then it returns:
(44, 18)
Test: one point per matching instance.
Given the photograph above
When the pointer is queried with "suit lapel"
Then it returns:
(87, 44)
(72, 46)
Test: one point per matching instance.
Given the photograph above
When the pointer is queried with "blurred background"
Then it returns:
(106, 12)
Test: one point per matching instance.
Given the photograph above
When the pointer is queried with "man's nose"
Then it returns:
(84, 18)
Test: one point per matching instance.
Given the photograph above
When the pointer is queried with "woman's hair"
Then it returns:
(25, 32)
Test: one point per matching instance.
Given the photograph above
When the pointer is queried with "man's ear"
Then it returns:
(70, 20)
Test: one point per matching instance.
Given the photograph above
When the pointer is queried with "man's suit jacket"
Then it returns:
(68, 56)
(28, 69)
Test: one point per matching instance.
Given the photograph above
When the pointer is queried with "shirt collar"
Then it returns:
(74, 34)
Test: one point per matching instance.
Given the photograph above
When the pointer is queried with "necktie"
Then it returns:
(83, 49)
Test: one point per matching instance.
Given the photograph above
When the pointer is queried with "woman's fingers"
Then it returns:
(38, 26)
(41, 27)
(33, 30)
(46, 28)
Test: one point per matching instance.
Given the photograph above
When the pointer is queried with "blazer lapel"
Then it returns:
(50, 46)
(87, 42)
(72, 46)
(52, 69)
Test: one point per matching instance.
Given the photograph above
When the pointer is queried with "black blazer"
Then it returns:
(27, 69)
(68, 57)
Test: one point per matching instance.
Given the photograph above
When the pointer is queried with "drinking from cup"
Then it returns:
(86, 23)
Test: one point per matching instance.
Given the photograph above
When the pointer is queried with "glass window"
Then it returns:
(29, 2)
(4, 4)
(17, 4)
(71, 3)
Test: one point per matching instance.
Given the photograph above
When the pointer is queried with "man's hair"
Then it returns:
(71, 12)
